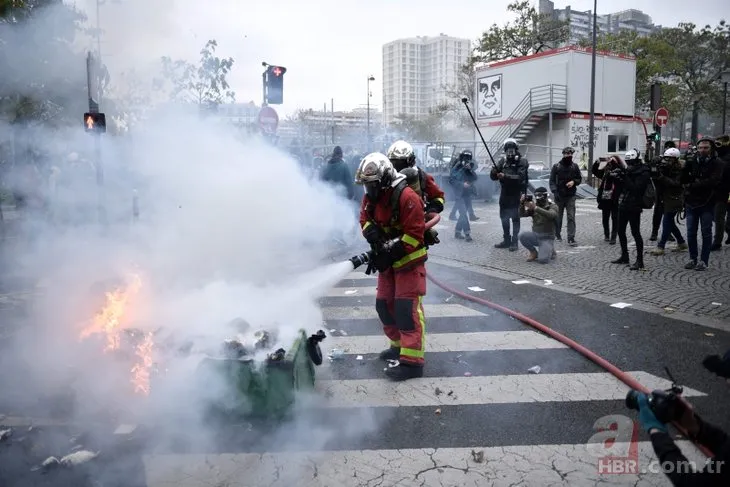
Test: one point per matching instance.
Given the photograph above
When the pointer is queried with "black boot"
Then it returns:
(392, 353)
(639, 264)
(504, 244)
(404, 371)
(624, 259)
(513, 247)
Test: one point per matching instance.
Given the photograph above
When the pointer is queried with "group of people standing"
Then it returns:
(696, 188)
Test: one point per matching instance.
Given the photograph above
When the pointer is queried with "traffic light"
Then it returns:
(95, 122)
(654, 137)
(275, 85)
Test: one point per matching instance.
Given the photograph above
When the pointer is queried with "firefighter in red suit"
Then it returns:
(392, 219)
(403, 158)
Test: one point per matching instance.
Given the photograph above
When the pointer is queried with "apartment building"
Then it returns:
(581, 22)
(417, 73)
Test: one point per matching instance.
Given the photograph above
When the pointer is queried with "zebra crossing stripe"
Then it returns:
(561, 464)
(368, 312)
(497, 389)
(350, 291)
(452, 342)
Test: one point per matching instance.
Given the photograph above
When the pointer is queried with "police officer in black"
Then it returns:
(511, 172)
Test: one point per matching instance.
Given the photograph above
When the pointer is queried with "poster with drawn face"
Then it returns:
(490, 96)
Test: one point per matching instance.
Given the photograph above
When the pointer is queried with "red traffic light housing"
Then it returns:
(95, 122)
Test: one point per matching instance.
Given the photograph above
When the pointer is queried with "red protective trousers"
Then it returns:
(399, 303)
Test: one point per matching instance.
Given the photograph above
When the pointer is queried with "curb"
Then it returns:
(679, 316)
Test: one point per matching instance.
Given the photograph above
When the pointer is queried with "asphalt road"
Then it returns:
(477, 418)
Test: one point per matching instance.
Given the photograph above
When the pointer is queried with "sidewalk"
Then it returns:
(664, 284)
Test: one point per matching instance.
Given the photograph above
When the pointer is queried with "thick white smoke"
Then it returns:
(226, 226)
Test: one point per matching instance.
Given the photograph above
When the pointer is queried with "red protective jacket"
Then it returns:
(432, 192)
(410, 226)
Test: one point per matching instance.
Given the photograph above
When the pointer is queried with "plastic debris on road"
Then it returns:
(476, 289)
(336, 354)
(534, 370)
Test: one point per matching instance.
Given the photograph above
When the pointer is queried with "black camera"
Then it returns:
(528, 198)
(665, 404)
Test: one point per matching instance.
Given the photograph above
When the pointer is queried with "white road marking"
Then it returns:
(369, 313)
(351, 291)
(453, 342)
(447, 467)
(494, 389)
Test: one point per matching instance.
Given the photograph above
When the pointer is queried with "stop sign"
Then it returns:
(268, 119)
(661, 117)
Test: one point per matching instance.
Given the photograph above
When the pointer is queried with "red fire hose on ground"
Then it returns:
(433, 219)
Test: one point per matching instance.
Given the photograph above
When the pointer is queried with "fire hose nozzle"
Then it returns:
(361, 259)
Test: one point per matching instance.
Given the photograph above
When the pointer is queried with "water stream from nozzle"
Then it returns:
(316, 282)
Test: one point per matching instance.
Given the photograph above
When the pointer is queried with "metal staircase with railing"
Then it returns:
(528, 114)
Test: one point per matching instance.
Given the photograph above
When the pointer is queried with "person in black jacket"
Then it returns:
(608, 195)
(634, 180)
(701, 176)
(565, 177)
(674, 464)
(511, 172)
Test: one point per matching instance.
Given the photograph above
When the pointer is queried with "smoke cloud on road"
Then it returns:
(225, 225)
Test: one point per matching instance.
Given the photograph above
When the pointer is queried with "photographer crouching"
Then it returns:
(540, 242)
(661, 407)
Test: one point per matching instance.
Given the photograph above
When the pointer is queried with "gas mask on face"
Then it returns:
(373, 190)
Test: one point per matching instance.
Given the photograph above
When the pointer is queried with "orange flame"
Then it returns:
(109, 320)
(141, 370)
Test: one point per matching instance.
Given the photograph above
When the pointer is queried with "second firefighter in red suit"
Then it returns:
(403, 158)
(392, 219)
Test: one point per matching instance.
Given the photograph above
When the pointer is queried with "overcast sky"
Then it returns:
(329, 47)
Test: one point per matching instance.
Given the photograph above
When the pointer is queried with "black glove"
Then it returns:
(434, 207)
(374, 234)
(430, 237)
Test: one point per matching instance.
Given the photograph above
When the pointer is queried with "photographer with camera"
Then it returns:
(662, 407)
(666, 174)
(634, 181)
(540, 242)
(608, 193)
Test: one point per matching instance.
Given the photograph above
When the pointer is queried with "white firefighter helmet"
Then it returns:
(399, 151)
(672, 152)
(632, 155)
(375, 167)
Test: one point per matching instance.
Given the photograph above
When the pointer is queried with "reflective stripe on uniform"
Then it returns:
(395, 344)
(410, 352)
(440, 200)
(410, 240)
(416, 254)
(366, 224)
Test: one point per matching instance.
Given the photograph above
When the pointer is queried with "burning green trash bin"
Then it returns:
(267, 389)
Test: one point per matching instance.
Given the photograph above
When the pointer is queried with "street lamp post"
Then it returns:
(592, 121)
(370, 78)
(725, 78)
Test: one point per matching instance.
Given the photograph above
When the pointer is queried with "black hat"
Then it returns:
(337, 151)
(541, 189)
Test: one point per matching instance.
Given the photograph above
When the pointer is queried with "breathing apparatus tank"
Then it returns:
(413, 180)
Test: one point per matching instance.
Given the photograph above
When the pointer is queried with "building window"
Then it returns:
(618, 143)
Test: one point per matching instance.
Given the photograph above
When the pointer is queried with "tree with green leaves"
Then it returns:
(529, 33)
(205, 84)
(686, 60)
(36, 85)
